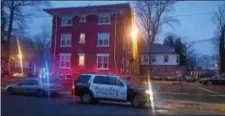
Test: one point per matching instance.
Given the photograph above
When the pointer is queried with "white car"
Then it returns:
(93, 87)
(38, 86)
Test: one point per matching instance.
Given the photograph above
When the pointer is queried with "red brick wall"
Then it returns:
(91, 29)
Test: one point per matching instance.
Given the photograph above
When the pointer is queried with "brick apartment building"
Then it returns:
(93, 39)
(162, 61)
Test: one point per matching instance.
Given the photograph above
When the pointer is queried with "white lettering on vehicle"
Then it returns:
(106, 91)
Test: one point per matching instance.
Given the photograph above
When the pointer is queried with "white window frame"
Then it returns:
(81, 54)
(61, 55)
(64, 75)
(153, 56)
(80, 40)
(102, 67)
(65, 19)
(66, 38)
(104, 15)
(103, 37)
(143, 59)
(178, 59)
(83, 18)
(164, 57)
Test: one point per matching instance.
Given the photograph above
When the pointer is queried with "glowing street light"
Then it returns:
(20, 56)
(134, 33)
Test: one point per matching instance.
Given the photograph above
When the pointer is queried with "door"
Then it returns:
(119, 89)
(19, 88)
(30, 86)
(221, 79)
(100, 87)
(82, 84)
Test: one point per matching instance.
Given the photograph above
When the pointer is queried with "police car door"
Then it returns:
(118, 89)
(100, 87)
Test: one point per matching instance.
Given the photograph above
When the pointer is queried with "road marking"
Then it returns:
(208, 90)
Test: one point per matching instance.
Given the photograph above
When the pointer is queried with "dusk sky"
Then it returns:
(195, 20)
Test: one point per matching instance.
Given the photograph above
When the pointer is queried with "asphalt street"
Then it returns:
(34, 106)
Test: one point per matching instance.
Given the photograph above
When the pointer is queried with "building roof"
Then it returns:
(86, 9)
(160, 49)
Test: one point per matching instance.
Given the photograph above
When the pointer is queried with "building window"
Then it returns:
(81, 61)
(65, 60)
(178, 59)
(82, 38)
(103, 40)
(165, 69)
(145, 59)
(103, 61)
(65, 76)
(104, 18)
(65, 40)
(66, 21)
(153, 58)
(166, 58)
(83, 18)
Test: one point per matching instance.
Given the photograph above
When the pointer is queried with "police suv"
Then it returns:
(93, 87)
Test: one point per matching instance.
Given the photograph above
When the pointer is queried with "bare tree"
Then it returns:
(152, 15)
(42, 43)
(219, 20)
(16, 14)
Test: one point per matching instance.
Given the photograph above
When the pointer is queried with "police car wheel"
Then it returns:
(86, 98)
(136, 101)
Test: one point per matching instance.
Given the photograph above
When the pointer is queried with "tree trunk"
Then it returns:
(11, 17)
(221, 51)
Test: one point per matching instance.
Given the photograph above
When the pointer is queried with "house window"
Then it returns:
(82, 38)
(104, 18)
(83, 18)
(81, 61)
(178, 59)
(65, 60)
(65, 40)
(103, 40)
(102, 61)
(166, 58)
(153, 58)
(145, 59)
(66, 21)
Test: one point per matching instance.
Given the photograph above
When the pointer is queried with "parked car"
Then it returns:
(189, 78)
(215, 80)
(171, 78)
(94, 87)
(38, 86)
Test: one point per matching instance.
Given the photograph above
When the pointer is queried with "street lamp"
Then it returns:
(20, 56)
(134, 33)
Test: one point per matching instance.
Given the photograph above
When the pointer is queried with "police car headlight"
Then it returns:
(148, 92)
